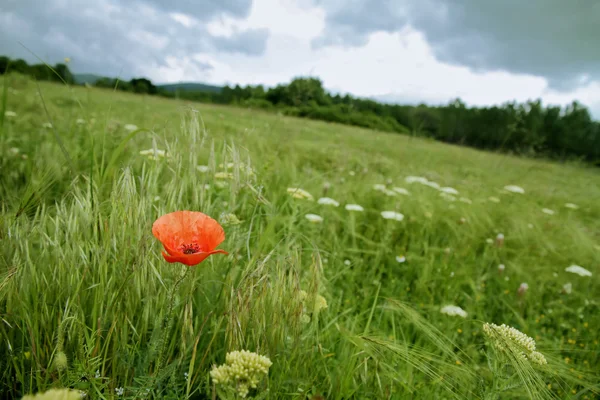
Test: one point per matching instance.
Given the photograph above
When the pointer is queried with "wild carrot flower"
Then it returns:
(242, 371)
(392, 215)
(432, 184)
(507, 339)
(415, 179)
(328, 201)
(314, 218)
(494, 199)
(449, 190)
(548, 211)
(203, 168)
(55, 394)
(354, 207)
(514, 189)
(576, 269)
(153, 154)
(567, 288)
(130, 127)
(453, 311)
(571, 206)
(401, 191)
(447, 196)
(188, 237)
(298, 193)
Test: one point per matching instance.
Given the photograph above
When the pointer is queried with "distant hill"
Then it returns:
(190, 87)
(86, 78)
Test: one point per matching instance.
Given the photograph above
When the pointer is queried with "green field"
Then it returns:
(82, 276)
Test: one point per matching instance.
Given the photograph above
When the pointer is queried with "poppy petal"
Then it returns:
(184, 227)
(190, 259)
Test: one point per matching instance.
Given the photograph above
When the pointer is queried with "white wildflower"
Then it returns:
(10, 114)
(567, 288)
(489, 241)
(47, 125)
(298, 193)
(80, 121)
(576, 269)
(548, 211)
(501, 268)
(447, 196)
(413, 179)
(154, 154)
(494, 199)
(242, 371)
(392, 215)
(347, 262)
(401, 259)
(432, 184)
(514, 189)
(203, 168)
(571, 206)
(465, 200)
(328, 201)
(453, 311)
(130, 127)
(223, 175)
(449, 190)
(508, 339)
(379, 186)
(401, 191)
(314, 218)
(354, 207)
(119, 391)
(523, 288)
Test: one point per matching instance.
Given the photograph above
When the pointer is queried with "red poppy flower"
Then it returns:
(188, 236)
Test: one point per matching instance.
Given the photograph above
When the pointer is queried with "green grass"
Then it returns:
(82, 274)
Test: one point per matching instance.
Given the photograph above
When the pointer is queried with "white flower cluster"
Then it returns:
(453, 311)
(298, 193)
(154, 154)
(242, 370)
(506, 338)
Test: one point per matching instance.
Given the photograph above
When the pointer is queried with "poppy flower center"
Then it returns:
(191, 248)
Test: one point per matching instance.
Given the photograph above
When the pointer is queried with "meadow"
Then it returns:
(346, 302)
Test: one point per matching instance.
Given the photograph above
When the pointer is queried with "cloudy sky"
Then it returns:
(483, 51)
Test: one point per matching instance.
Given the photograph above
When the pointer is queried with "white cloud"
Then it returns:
(402, 65)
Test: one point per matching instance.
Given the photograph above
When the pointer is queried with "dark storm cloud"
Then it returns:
(556, 39)
(119, 36)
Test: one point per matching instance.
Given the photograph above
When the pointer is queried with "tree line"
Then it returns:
(524, 128)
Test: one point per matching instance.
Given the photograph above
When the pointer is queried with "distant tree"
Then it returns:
(63, 71)
(142, 85)
(4, 64)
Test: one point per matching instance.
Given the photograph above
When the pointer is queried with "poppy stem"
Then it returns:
(167, 320)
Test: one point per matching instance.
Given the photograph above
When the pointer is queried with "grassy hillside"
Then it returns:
(88, 302)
